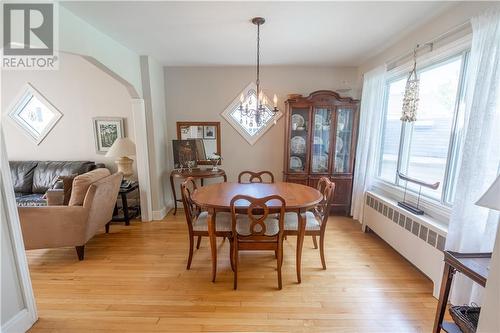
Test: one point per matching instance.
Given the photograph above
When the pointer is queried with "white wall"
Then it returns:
(439, 25)
(80, 91)
(202, 93)
(156, 117)
(79, 37)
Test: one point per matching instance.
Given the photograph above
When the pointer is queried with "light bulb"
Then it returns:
(242, 99)
(275, 100)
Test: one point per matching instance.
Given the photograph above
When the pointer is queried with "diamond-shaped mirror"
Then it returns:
(249, 129)
(34, 114)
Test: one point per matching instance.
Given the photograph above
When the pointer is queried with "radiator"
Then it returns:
(417, 238)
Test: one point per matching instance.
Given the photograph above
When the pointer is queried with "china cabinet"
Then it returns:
(320, 140)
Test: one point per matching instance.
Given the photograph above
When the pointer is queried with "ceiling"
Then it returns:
(220, 33)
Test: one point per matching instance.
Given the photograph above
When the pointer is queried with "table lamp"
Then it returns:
(491, 198)
(122, 148)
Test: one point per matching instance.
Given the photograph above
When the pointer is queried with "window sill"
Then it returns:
(433, 209)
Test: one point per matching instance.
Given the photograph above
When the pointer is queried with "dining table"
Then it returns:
(216, 198)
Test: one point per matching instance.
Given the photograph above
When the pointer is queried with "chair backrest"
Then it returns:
(100, 200)
(190, 208)
(255, 177)
(327, 188)
(258, 215)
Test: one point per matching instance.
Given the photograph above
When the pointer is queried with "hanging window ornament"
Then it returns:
(410, 99)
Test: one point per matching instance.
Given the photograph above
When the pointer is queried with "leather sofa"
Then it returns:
(32, 179)
(93, 197)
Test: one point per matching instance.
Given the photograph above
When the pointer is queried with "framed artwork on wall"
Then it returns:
(106, 131)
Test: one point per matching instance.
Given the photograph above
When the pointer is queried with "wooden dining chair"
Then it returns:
(197, 220)
(255, 177)
(316, 219)
(257, 230)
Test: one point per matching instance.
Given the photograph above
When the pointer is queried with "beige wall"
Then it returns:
(439, 25)
(202, 93)
(80, 91)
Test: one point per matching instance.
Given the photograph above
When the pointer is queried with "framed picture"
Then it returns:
(185, 151)
(106, 131)
(209, 132)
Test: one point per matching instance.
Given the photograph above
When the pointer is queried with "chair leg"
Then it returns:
(322, 249)
(190, 257)
(235, 255)
(80, 252)
(231, 254)
(279, 262)
(198, 243)
(315, 242)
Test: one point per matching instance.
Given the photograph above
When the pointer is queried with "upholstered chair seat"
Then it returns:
(292, 221)
(243, 225)
(222, 222)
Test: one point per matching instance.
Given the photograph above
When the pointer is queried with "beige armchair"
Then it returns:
(90, 208)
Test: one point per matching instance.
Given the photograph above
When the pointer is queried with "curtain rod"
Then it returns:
(431, 42)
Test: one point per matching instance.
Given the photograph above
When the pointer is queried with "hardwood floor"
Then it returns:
(134, 280)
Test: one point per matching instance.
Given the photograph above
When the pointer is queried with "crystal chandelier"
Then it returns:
(410, 99)
(254, 111)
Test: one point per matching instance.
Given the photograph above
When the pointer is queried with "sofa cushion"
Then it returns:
(22, 175)
(47, 172)
(81, 185)
(31, 200)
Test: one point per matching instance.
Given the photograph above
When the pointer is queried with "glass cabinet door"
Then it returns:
(320, 158)
(298, 139)
(343, 140)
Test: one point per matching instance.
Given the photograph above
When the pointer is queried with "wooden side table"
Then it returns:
(195, 173)
(128, 212)
(472, 265)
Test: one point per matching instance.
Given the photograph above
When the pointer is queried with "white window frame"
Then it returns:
(438, 209)
(26, 93)
(251, 139)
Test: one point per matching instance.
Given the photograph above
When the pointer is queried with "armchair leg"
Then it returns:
(80, 251)
(107, 227)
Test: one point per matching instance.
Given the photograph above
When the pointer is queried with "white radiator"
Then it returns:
(417, 238)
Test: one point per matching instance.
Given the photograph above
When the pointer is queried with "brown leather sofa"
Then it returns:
(32, 179)
(90, 208)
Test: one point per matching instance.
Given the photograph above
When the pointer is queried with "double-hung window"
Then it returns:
(427, 149)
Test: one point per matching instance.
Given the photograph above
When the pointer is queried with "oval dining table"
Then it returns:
(217, 197)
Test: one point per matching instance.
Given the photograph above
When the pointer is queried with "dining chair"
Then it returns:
(316, 219)
(257, 230)
(255, 177)
(197, 220)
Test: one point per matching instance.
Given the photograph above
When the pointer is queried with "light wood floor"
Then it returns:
(134, 280)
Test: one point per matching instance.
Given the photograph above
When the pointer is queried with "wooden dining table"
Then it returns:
(217, 197)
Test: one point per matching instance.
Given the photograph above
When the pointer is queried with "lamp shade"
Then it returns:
(121, 147)
(491, 198)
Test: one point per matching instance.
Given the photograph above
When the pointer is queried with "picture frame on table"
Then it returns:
(106, 131)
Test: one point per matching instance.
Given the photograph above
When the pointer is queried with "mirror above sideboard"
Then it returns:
(206, 134)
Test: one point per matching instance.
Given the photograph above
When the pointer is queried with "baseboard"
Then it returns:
(21, 322)
(160, 214)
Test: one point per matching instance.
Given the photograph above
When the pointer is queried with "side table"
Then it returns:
(472, 265)
(195, 173)
(128, 213)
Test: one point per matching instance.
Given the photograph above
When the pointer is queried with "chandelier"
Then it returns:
(255, 111)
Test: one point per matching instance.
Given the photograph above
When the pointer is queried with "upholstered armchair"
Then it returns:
(90, 208)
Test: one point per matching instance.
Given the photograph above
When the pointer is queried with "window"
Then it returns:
(428, 148)
(249, 128)
(34, 114)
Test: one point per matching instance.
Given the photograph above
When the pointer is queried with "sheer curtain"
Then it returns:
(370, 123)
(472, 228)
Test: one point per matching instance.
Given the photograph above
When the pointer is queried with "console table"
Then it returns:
(472, 265)
(195, 173)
